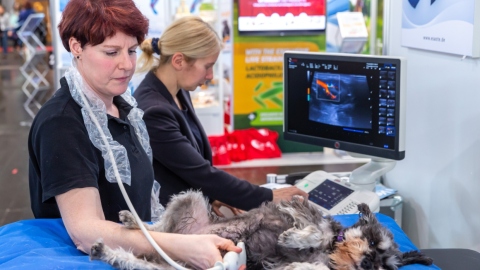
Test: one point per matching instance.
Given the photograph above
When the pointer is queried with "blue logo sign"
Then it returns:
(414, 3)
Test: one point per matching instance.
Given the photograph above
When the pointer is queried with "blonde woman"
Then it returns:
(177, 63)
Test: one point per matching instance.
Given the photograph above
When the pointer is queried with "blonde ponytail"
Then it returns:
(189, 35)
(146, 60)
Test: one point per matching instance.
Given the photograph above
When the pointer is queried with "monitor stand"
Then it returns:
(365, 177)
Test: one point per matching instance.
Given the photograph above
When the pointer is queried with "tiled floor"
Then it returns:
(14, 197)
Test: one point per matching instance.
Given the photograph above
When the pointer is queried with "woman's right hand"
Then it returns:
(286, 194)
(201, 251)
(216, 208)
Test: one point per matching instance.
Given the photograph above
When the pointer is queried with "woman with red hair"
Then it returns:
(92, 123)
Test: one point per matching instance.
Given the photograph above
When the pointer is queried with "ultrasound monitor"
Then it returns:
(349, 102)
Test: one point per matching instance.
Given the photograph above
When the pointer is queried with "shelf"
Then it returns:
(297, 159)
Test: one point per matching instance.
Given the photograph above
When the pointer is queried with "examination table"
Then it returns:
(45, 244)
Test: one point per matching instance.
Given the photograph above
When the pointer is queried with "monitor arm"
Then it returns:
(365, 177)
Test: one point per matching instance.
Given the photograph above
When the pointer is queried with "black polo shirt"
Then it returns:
(62, 158)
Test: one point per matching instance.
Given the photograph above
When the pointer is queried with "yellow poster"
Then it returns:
(258, 79)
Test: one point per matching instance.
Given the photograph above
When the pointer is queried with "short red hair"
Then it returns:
(92, 21)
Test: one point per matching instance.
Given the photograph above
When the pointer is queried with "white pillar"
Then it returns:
(373, 26)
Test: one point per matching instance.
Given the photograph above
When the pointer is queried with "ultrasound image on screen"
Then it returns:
(383, 93)
(391, 75)
(390, 122)
(390, 112)
(382, 111)
(391, 85)
(340, 100)
(383, 75)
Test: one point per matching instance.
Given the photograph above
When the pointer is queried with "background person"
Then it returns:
(25, 11)
(13, 26)
(182, 157)
(4, 24)
(67, 171)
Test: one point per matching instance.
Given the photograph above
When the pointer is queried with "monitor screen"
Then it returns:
(281, 17)
(346, 101)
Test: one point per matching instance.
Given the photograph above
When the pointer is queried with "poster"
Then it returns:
(286, 15)
(449, 26)
(257, 94)
(258, 80)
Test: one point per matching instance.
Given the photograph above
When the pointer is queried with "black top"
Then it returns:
(193, 127)
(62, 158)
(178, 162)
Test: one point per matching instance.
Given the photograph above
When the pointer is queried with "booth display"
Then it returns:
(350, 35)
(372, 13)
(35, 67)
(266, 18)
(434, 25)
(257, 100)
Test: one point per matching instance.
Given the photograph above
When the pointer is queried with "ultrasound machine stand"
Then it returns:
(365, 177)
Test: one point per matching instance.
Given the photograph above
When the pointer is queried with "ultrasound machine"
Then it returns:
(349, 102)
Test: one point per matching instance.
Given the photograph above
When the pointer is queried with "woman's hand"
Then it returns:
(201, 251)
(216, 208)
(286, 194)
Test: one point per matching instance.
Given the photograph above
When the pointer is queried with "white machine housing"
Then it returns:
(334, 196)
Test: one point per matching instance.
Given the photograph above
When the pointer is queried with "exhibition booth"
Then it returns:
(319, 82)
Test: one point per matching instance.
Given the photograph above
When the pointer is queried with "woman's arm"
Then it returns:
(166, 128)
(83, 217)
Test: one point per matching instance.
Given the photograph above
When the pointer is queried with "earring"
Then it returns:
(78, 56)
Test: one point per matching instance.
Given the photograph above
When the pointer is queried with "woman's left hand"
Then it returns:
(216, 208)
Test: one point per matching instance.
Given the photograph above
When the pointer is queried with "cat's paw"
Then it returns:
(127, 219)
